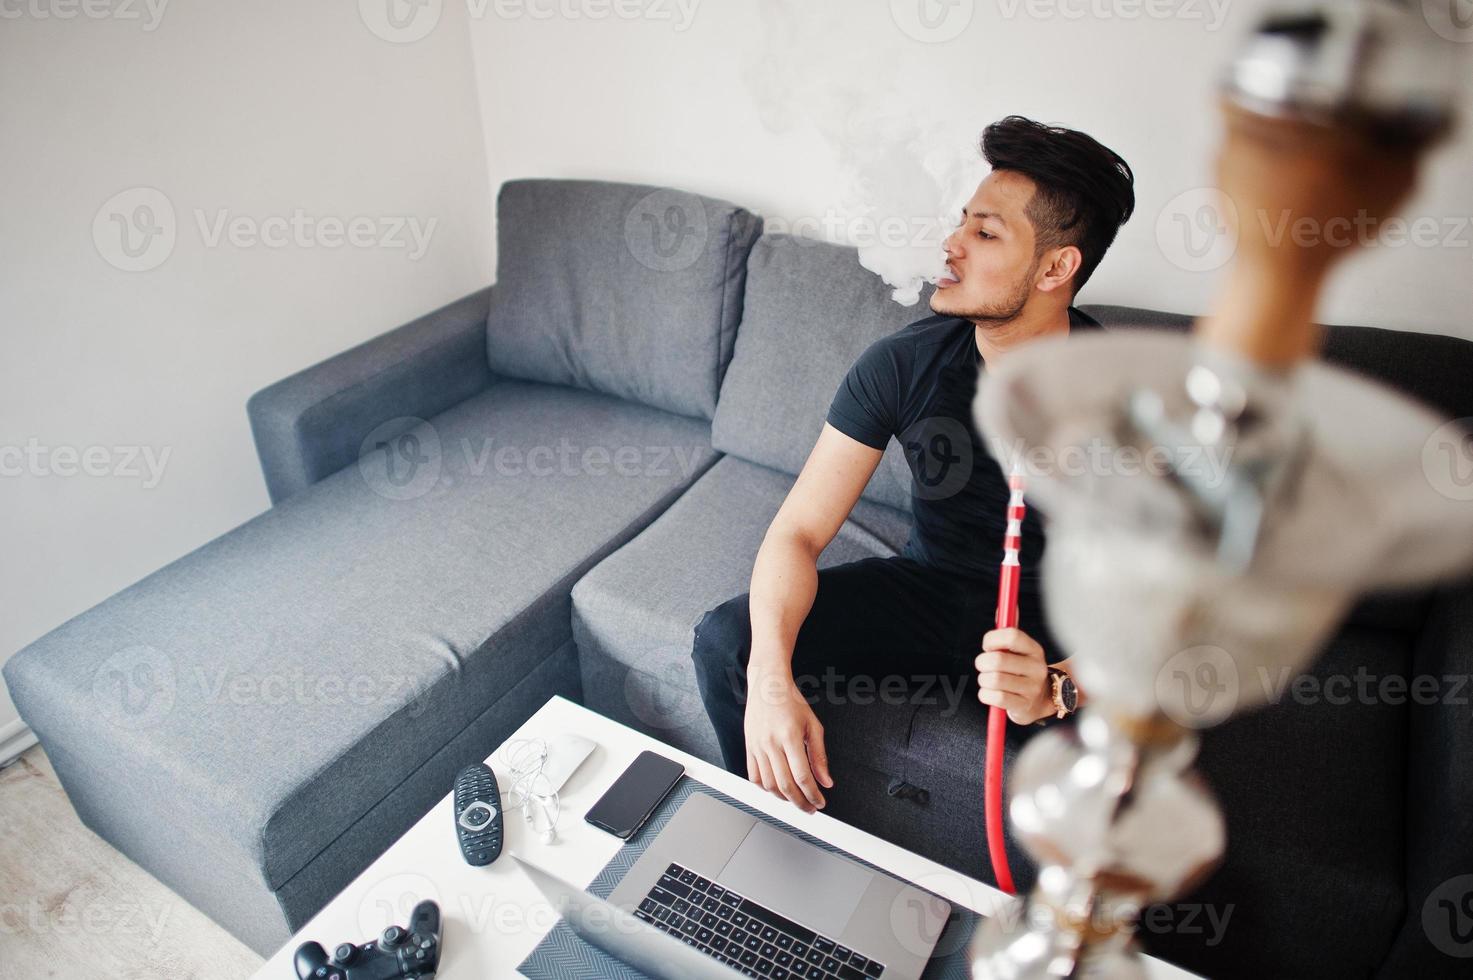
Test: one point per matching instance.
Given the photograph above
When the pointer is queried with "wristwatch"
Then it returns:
(1063, 692)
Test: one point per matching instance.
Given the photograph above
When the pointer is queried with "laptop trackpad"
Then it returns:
(796, 879)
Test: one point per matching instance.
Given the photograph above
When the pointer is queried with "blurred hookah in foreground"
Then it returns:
(1174, 590)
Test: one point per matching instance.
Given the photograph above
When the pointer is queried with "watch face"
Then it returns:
(1068, 693)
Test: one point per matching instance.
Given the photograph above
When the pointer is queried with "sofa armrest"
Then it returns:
(312, 424)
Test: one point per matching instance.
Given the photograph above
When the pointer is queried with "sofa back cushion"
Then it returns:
(810, 310)
(630, 290)
(1432, 368)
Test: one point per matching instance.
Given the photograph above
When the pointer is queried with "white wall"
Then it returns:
(765, 102)
(273, 106)
(258, 108)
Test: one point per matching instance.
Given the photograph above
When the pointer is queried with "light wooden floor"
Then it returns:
(72, 906)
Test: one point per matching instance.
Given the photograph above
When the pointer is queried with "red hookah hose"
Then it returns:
(997, 718)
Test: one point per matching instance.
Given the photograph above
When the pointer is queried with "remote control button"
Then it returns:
(393, 936)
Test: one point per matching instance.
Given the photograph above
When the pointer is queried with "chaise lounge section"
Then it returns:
(257, 721)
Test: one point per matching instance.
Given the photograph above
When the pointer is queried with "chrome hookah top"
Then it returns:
(1375, 65)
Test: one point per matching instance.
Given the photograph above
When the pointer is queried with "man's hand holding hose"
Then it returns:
(1012, 674)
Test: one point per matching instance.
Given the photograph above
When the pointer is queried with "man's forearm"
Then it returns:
(784, 584)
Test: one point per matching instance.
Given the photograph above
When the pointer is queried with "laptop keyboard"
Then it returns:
(744, 935)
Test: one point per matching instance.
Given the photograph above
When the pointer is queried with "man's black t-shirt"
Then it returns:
(916, 386)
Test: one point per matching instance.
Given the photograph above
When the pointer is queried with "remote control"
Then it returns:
(478, 814)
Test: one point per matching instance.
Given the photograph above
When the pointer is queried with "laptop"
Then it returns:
(755, 899)
(625, 938)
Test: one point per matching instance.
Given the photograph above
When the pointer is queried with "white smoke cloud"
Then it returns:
(903, 170)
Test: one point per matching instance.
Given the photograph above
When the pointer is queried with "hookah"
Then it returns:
(1174, 586)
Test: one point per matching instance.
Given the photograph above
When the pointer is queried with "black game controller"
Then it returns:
(398, 953)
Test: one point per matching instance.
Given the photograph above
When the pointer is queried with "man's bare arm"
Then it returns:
(785, 749)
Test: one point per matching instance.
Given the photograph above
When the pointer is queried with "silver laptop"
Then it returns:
(760, 900)
(621, 935)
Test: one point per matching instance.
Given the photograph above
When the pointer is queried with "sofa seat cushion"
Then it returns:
(275, 684)
(639, 607)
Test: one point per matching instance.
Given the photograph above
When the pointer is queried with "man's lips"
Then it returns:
(948, 278)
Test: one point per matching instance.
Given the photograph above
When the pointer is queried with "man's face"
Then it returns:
(990, 260)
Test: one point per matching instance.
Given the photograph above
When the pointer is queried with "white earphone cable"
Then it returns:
(524, 760)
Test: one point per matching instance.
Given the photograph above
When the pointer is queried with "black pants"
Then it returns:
(880, 619)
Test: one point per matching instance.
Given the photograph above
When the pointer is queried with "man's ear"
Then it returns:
(1059, 267)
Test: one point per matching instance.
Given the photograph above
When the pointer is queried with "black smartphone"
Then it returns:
(635, 794)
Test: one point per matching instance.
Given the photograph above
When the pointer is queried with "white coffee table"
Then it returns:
(493, 916)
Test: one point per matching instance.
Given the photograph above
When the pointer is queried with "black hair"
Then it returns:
(1085, 190)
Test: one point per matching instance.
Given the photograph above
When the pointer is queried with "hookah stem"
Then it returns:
(997, 718)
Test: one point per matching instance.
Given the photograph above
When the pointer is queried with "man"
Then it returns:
(1029, 239)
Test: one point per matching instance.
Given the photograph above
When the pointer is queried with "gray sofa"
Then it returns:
(541, 488)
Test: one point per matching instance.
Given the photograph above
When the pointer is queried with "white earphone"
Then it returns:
(524, 759)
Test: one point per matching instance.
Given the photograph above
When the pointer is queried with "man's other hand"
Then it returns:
(1012, 674)
(785, 750)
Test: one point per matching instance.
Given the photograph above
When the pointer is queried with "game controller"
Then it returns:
(397, 953)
